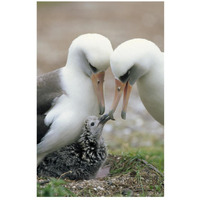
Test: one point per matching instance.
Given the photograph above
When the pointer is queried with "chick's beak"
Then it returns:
(97, 80)
(104, 118)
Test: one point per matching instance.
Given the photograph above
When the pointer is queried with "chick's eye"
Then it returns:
(92, 124)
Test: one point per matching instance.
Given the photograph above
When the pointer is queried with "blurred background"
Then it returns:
(58, 23)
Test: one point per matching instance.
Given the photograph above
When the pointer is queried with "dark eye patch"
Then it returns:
(125, 77)
(92, 124)
(94, 69)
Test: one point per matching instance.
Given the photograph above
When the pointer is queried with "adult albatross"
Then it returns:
(67, 96)
(141, 61)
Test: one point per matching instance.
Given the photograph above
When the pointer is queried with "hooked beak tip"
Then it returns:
(111, 114)
(123, 114)
(103, 119)
(101, 110)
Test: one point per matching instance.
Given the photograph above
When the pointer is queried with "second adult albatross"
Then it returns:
(142, 61)
(65, 97)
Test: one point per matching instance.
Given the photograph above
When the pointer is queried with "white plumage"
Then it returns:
(74, 96)
(141, 61)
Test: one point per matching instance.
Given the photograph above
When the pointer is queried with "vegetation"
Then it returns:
(133, 172)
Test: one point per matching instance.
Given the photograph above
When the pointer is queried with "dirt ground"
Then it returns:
(129, 177)
(122, 183)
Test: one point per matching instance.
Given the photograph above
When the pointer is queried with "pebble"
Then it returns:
(127, 192)
(133, 173)
(109, 182)
(100, 188)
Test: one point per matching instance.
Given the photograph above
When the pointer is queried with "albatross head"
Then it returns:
(91, 54)
(130, 61)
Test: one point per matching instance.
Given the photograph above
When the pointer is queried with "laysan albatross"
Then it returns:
(139, 60)
(67, 96)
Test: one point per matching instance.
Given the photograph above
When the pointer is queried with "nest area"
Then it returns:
(127, 177)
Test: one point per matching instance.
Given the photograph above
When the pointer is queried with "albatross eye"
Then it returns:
(125, 77)
(92, 124)
(94, 69)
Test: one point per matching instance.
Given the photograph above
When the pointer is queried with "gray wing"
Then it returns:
(48, 88)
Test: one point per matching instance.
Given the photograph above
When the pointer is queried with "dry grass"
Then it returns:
(129, 176)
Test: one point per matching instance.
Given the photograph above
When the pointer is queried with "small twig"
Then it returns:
(65, 174)
(43, 182)
(151, 166)
(140, 190)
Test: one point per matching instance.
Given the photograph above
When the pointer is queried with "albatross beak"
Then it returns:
(97, 80)
(127, 92)
(119, 88)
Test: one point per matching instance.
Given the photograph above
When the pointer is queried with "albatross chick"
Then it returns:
(82, 159)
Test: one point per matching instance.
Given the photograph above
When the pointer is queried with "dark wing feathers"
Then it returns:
(41, 128)
(48, 88)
